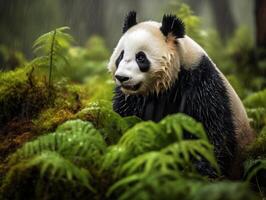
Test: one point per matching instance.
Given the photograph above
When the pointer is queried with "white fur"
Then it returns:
(162, 54)
(190, 52)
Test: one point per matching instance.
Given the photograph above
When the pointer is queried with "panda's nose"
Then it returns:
(121, 78)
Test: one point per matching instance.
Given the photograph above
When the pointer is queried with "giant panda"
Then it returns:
(159, 71)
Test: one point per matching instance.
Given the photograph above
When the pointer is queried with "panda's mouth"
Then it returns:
(131, 87)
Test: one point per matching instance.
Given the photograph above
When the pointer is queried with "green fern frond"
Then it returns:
(175, 157)
(51, 47)
(153, 186)
(114, 157)
(148, 142)
(184, 150)
(44, 170)
(172, 186)
(55, 166)
(108, 122)
(143, 137)
(150, 162)
(175, 124)
(252, 167)
(76, 140)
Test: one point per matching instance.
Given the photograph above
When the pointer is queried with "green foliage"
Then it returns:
(21, 94)
(151, 151)
(96, 91)
(96, 49)
(224, 190)
(51, 47)
(46, 176)
(191, 21)
(172, 186)
(256, 100)
(109, 123)
(257, 109)
(66, 155)
(10, 59)
(54, 166)
(252, 167)
(257, 148)
(258, 117)
(236, 44)
(237, 85)
(75, 140)
(121, 158)
(87, 63)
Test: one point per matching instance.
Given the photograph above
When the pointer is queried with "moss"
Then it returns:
(22, 95)
(49, 119)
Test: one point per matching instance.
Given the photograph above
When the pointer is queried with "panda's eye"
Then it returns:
(120, 57)
(140, 57)
(142, 61)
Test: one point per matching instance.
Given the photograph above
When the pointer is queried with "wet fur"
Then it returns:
(199, 92)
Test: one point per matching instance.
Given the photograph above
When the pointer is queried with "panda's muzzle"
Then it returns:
(130, 86)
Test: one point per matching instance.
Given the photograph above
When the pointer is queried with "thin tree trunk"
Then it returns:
(224, 19)
(260, 23)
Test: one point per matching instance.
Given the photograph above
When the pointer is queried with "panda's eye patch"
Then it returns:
(120, 57)
(142, 61)
(140, 57)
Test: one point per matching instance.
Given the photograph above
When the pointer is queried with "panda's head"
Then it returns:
(146, 58)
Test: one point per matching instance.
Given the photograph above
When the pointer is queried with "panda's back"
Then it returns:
(203, 93)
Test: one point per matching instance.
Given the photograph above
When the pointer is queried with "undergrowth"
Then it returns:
(60, 138)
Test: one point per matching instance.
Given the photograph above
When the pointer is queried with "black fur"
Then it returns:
(142, 61)
(118, 60)
(174, 25)
(130, 21)
(200, 93)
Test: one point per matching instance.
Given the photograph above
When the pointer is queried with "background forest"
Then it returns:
(59, 137)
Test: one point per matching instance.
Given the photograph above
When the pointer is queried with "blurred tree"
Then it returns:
(222, 15)
(84, 17)
(22, 21)
(260, 13)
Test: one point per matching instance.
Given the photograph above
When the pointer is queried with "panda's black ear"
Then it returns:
(174, 25)
(130, 20)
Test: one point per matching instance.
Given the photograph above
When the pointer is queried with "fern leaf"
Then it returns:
(52, 44)
(54, 166)
(150, 162)
(74, 139)
(126, 181)
(184, 150)
(252, 167)
(175, 124)
(115, 157)
(143, 137)
(108, 122)
(133, 185)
